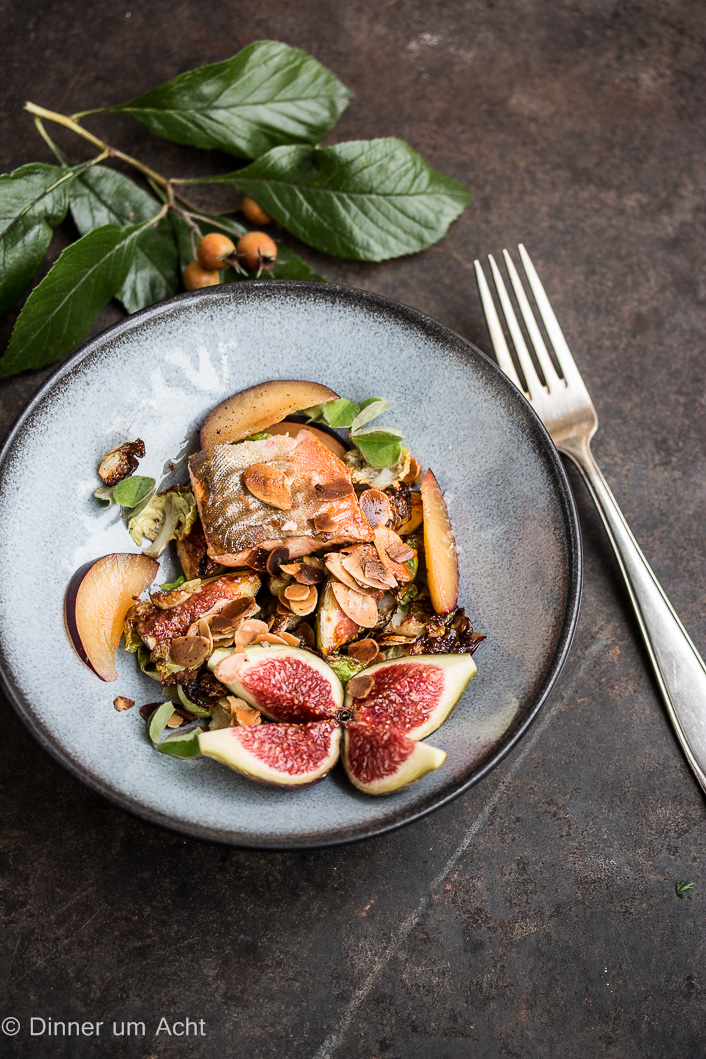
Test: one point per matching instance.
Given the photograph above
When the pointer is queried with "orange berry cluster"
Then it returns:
(253, 251)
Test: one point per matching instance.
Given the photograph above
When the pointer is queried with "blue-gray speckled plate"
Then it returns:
(155, 376)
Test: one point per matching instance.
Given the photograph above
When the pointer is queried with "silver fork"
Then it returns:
(565, 407)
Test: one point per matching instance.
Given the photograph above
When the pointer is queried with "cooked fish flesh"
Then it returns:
(324, 509)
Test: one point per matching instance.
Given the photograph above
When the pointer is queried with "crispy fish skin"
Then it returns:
(194, 559)
(160, 625)
(236, 523)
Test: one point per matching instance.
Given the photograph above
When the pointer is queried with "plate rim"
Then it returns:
(572, 538)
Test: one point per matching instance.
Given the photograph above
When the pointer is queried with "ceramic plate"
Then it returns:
(155, 375)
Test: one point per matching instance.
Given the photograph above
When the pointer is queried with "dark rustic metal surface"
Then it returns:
(535, 917)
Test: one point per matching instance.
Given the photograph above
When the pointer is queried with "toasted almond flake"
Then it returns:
(400, 553)
(224, 639)
(363, 650)
(361, 686)
(385, 538)
(391, 639)
(365, 567)
(296, 592)
(270, 637)
(307, 574)
(123, 703)
(228, 668)
(249, 631)
(375, 505)
(241, 713)
(334, 565)
(324, 522)
(307, 604)
(228, 617)
(290, 639)
(414, 473)
(356, 605)
(275, 559)
(175, 721)
(189, 651)
(334, 490)
(269, 485)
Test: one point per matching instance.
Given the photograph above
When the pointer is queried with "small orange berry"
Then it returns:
(254, 213)
(213, 248)
(256, 250)
(196, 277)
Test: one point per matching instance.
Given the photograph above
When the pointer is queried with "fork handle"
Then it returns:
(681, 673)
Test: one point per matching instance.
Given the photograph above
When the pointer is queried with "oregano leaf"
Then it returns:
(185, 746)
(365, 199)
(61, 309)
(369, 410)
(133, 490)
(268, 94)
(341, 412)
(379, 447)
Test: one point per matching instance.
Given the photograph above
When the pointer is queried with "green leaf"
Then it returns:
(185, 746)
(266, 95)
(104, 196)
(169, 585)
(289, 265)
(381, 448)
(61, 309)
(105, 494)
(340, 412)
(369, 410)
(365, 199)
(33, 200)
(133, 490)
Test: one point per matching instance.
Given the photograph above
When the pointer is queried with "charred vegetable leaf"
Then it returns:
(289, 265)
(345, 668)
(185, 746)
(33, 200)
(104, 196)
(133, 490)
(61, 309)
(167, 516)
(268, 94)
(366, 199)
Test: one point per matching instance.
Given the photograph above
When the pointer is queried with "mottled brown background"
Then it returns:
(535, 917)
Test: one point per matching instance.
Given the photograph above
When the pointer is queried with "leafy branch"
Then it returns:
(367, 200)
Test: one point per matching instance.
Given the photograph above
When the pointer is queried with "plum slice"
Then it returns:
(413, 695)
(382, 760)
(260, 407)
(97, 600)
(439, 547)
(278, 755)
(285, 683)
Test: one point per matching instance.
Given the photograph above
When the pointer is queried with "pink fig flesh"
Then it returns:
(285, 683)
(381, 760)
(278, 755)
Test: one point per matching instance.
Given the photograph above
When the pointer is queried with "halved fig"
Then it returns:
(285, 683)
(326, 437)
(259, 407)
(278, 755)
(333, 626)
(380, 760)
(439, 547)
(415, 694)
(98, 597)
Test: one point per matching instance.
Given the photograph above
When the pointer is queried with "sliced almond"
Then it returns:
(334, 565)
(307, 574)
(356, 605)
(305, 605)
(270, 637)
(241, 713)
(290, 639)
(392, 639)
(386, 538)
(175, 721)
(275, 559)
(361, 686)
(414, 473)
(365, 567)
(334, 490)
(190, 651)
(410, 627)
(123, 703)
(363, 650)
(229, 616)
(375, 505)
(296, 592)
(400, 553)
(269, 485)
(249, 632)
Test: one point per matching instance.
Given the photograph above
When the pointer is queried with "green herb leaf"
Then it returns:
(289, 265)
(268, 94)
(33, 200)
(61, 309)
(105, 494)
(366, 199)
(340, 413)
(381, 448)
(682, 888)
(185, 746)
(133, 490)
(369, 410)
(104, 196)
(169, 585)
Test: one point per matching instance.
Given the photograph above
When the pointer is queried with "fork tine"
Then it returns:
(494, 327)
(550, 376)
(534, 386)
(556, 335)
